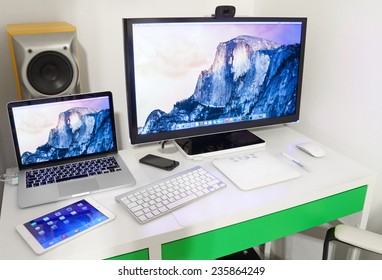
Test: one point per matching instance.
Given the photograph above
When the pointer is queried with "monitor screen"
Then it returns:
(61, 128)
(187, 77)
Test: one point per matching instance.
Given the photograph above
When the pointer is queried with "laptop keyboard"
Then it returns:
(55, 174)
(163, 196)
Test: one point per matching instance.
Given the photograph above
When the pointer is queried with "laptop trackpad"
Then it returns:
(73, 187)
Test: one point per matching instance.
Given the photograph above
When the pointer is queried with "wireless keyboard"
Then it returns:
(161, 197)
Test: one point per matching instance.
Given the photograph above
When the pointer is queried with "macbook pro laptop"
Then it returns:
(66, 146)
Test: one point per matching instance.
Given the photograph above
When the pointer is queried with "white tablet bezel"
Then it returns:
(39, 249)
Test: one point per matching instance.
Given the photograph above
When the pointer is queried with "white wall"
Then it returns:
(99, 31)
(342, 93)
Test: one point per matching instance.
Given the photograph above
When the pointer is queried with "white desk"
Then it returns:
(335, 187)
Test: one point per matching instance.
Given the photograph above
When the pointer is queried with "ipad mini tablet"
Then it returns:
(55, 228)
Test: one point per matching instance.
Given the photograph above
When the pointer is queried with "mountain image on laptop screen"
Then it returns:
(79, 131)
(250, 78)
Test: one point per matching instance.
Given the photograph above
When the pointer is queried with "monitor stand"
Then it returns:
(208, 145)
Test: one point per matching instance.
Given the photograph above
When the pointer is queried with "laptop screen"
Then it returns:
(61, 128)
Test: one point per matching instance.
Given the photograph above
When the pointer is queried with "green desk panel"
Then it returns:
(230, 239)
(138, 255)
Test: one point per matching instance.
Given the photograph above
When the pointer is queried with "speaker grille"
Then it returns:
(50, 72)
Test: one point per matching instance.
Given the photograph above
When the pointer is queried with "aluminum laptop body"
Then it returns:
(71, 131)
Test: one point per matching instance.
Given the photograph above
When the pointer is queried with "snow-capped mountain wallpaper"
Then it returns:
(54, 131)
(230, 71)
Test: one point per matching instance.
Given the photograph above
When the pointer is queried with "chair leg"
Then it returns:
(328, 238)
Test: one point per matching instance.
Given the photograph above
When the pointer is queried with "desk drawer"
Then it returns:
(230, 239)
(138, 255)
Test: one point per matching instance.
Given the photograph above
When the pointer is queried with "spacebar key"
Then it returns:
(181, 201)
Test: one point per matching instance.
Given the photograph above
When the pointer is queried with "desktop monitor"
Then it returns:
(204, 82)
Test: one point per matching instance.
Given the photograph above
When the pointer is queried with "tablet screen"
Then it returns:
(63, 223)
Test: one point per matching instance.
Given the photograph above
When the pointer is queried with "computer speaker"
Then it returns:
(45, 59)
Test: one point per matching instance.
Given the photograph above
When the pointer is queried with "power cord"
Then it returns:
(163, 143)
(6, 178)
(10, 177)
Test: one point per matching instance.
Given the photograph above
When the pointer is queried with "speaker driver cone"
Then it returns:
(50, 72)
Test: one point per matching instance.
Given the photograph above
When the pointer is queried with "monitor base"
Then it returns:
(208, 145)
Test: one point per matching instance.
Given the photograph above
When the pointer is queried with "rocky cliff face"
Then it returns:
(78, 131)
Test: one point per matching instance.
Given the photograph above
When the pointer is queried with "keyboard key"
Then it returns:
(43, 176)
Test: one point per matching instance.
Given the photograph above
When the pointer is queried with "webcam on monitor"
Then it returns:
(225, 12)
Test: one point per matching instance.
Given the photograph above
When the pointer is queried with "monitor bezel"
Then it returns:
(22, 103)
(136, 138)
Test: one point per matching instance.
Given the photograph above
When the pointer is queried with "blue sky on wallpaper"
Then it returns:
(33, 123)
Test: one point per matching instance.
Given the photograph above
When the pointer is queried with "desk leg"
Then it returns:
(267, 250)
(368, 202)
(355, 252)
(155, 252)
(264, 250)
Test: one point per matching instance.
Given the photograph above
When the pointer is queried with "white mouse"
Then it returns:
(311, 149)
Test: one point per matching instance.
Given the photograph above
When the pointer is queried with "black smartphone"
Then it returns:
(159, 162)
